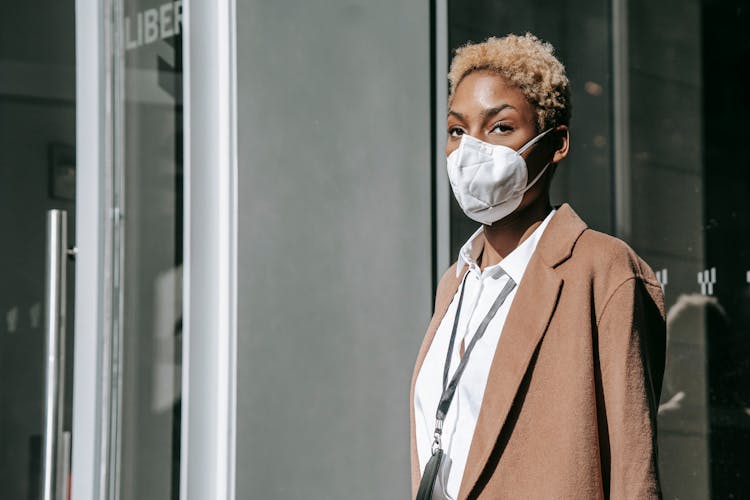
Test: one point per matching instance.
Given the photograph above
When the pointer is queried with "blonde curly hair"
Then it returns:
(526, 62)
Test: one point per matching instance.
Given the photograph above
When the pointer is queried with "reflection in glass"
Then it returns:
(37, 173)
(148, 194)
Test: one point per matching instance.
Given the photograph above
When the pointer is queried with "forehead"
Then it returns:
(482, 90)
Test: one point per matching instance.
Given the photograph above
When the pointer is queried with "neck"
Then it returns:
(505, 235)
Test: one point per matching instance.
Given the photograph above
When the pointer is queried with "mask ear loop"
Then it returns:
(533, 141)
(524, 148)
(531, 184)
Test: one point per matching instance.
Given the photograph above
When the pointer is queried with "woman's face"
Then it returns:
(486, 107)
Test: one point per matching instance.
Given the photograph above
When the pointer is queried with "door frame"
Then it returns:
(93, 241)
(207, 468)
(209, 370)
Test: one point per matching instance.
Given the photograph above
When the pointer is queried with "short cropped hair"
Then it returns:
(525, 62)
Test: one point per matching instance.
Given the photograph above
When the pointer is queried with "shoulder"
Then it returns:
(605, 257)
(611, 268)
(448, 281)
(449, 275)
(447, 286)
(569, 245)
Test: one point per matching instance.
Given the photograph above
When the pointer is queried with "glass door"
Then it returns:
(110, 70)
(37, 173)
(147, 250)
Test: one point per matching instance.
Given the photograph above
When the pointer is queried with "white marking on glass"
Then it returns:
(707, 280)
(663, 278)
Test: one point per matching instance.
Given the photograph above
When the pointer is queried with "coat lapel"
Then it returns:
(527, 321)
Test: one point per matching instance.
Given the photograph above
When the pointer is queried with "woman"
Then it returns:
(540, 373)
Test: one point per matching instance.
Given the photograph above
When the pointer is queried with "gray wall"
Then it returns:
(334, 283)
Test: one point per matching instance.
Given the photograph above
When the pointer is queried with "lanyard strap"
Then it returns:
(449, 389)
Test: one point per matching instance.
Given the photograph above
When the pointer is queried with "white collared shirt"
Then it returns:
(482, 288)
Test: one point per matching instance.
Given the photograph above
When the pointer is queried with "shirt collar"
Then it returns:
(514, 263)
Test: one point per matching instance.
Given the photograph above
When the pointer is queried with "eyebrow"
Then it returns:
(495, 110)
(456, 114)
(484, 114)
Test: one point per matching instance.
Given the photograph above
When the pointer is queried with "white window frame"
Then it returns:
(207, 455)
(209, 387)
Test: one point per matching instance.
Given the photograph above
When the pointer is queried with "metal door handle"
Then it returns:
(53, 473)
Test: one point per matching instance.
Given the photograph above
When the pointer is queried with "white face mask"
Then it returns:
(489, 180)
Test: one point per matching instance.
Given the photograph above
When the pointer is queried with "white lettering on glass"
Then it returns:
(150, 26)
(165, 20)
(131, 43)
(153, 24)
(177, 17)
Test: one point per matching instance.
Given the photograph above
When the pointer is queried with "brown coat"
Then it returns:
(569, 411)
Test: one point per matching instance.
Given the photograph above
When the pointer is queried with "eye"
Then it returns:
(501, 128)
(455, 131)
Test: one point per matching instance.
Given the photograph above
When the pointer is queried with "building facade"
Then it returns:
(258, 212)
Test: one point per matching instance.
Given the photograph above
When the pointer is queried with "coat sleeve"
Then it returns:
(632, 350)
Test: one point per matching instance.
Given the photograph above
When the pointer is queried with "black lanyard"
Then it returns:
(449, 388)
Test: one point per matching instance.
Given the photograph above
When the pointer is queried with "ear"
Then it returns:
(562, 134)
